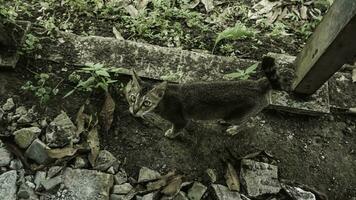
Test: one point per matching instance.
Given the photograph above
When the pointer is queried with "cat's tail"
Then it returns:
(279, 76)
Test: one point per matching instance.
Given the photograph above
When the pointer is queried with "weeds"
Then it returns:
(242, 74)
(31, 43)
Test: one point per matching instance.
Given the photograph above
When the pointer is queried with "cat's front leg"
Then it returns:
(173, 132)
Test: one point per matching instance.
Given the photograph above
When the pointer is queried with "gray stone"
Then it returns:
(211, 175)
(25, 136)
(9, 105)
(80, 162)
(111, 170)
(244, 197)
(61, 131)
(259, 178)
(221, 192)
(2, 113)
(8, 185)
(197, 191)
(5, 157)
(147, 174)
(181, 196)
(53, 171)
(120, 177)
(26, 192)
(122, 189)
(40, 177)
(104, 160)
(88, 184)
(117, 197)
(16, 164)
(21, 110)
(51, 183)
(28, 117)
(298, 193)
(37, 152)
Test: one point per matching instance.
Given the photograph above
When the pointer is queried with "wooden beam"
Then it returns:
(5, 39)
(331, 45)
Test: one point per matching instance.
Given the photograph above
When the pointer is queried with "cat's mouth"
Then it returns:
(135, 113)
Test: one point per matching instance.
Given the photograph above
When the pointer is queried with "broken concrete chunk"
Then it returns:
(221, 192)
(80, 162)
(26, 192)
(147, 174)
(5, 157)
(122, 189)
(39, 178)
(259, 178)
(16, 164)
(51, 183)
(86, 184)
(8, 185)
(27, 117)
(37, 152)
(25, 136)
(104, 160)
(298, 193)
(9, 105)
(61, 131)
(181, 196)
(117, 197)
(211, 175)
(120, 177)
(197, 191)
(53, 171)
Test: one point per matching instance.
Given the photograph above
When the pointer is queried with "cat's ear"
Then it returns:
(160, 89)
(135, 78)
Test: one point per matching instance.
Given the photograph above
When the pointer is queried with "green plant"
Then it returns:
(40, 88)
(239, 31)
(31, 43)
(97, 75)
(242, 74)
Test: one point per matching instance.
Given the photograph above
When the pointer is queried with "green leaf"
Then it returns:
(251, 69)
(69, 93)
(102, 73)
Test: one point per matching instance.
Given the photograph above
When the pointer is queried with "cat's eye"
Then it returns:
(147, 103)
(132, 98)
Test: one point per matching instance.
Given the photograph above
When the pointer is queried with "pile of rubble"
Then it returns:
(63, 167)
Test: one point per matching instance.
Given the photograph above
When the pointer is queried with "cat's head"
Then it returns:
(143, 97)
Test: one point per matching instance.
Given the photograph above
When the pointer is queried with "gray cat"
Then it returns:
(232, 101)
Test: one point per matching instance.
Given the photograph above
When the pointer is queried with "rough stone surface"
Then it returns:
(8, 185)
(16, 164)
(8, 105)
(88, 184)
(147, 174)
(2, 113)
(120, 177)
(221, 192)
(80, 162)
(61, 131)
(53, 171)
(5, 156)
(104, 160)
(197, 191)
(26, 192)
(40, 177)
(37, 152)
(117, 197)
(298, 193)
(51, 183)
(181, 196)
(122, 189)
(342, 91)
(26, 117)
(259, 178)
(25, 136)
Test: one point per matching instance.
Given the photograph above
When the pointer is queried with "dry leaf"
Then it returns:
(173, 186)
(232, 180)
(107, 112)
(80, 121)
(209, 5)
(303, 12)
(61, 152)
(117, 34)
(94, 145)
(163, 181)
(133, 12)
(192, 4)
(142, 4)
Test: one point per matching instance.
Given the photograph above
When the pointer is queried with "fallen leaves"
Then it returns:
(107, 112)
(232, 180)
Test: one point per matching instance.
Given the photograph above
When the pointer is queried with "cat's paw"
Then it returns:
(170, 133)
(234, 129)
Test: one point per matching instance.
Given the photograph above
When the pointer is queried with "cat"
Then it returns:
(231, 101)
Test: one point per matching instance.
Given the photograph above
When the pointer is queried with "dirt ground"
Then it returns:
(315, 151)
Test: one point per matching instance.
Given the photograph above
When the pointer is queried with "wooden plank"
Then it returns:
(331, 45)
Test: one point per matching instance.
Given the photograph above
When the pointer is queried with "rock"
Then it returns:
(211, 175)
(8, 185)
(88, 184)
(51, 183)
(9, 105)
(2, 113)
(16, 164)
(147, 174)
(37, 152)
(259, 178)
(53, 171)
(117, 197)
(111, 170)
(40, 177)
(181, 196)
(27, 117)
(61, 131)
(221, 192)
(120, 177)
(150, 196)
(25, 136)
(26, 192)
(80, 162)
(5, 156)
(197, 191)
(298, 193)
(21, 110)
(122, 189)
(104, 160)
